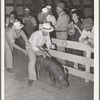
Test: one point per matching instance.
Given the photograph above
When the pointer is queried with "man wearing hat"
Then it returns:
(29, 22)
(38, 39)
(11, 35)
(87, 35)
(45, 16)
(62, 25)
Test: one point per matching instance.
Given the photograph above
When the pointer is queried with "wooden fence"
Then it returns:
(87, 61)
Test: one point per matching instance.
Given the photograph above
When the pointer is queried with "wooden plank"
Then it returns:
(82, 7)
(72, 44)
(54, 8)
(70, 3)
(79, 73)
(39, 5)
(73, 58)
(35, 6)
(45, 2)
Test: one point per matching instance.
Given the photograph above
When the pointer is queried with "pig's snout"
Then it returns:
(63, 82)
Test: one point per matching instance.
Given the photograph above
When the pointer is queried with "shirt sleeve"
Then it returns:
(10, 37)
(83, 35)
(53, 20)
(58, 23)
(33, 41)
(48, 42)
(33, 21)
(23, 36)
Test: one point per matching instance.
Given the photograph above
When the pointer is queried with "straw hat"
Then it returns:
(47, 27)
(17, 25)
(86, 23)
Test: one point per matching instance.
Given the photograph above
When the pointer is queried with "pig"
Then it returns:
(56, 71)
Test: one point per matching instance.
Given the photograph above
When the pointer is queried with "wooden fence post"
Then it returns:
(88, 55)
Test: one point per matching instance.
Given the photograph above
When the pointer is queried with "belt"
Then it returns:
(62, 31)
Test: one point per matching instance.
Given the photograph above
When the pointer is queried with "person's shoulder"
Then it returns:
(37, 33)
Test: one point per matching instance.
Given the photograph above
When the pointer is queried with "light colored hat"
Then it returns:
(17, 25)
(49, 7)
(86, 23)
(61, 5)
(27, 10)
(47, 27)
(45, 10)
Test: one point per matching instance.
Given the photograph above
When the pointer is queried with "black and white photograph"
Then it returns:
(48, 50)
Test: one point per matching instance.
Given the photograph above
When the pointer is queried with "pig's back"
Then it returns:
(51, 65)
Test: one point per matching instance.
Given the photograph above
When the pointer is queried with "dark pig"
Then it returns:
(56, 71)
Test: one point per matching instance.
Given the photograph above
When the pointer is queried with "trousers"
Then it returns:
(32, 60)
(8, 55)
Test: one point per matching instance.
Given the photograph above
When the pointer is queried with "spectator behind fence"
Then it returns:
(61, 26)
(87, 35)
(29, 22)
(11, 19)
(74, 29)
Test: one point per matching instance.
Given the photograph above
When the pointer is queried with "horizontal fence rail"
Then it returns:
(87, 61)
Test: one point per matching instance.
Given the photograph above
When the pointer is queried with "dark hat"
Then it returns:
(86, 23)
(61, 5)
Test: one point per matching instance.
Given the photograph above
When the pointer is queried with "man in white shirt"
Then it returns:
(37, 39)
(87, 35)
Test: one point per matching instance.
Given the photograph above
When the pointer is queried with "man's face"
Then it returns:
(17, 31)
(59, 10)
(45, 33)
(26, 13)
(89, 28)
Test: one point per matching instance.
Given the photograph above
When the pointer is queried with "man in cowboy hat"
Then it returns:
(29, 22)
(61, 25)
(38, 39)
(87, 34)
(14, 33)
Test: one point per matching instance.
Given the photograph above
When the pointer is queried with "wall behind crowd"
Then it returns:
(86, 6)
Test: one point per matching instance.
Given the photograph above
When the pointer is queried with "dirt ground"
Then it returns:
(16, 87)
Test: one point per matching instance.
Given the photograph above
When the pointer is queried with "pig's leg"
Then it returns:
(52, 79)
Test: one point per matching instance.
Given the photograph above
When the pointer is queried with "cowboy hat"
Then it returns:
(17, 25)
(47, 27)
(45, 10)
(86, 23)
(49, 7)
(61, 5)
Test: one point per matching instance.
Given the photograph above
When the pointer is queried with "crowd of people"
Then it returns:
(38, 32)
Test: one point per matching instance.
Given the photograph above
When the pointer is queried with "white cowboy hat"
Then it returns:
(49, 7)
(47, 27)
(17, 25)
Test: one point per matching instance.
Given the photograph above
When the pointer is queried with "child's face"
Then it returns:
(89, 28)
(12, 16)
